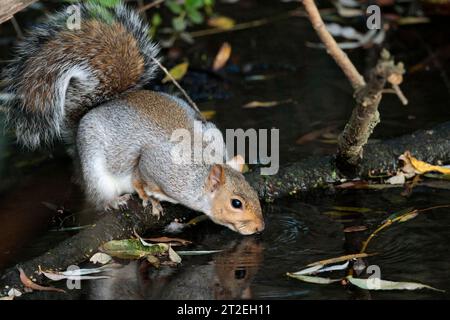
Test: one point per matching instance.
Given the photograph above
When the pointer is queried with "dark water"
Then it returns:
(36, 188)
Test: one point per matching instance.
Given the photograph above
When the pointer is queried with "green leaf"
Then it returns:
(193, 4)
(156, 20)
(131, 249)
(195, 16)
(175, 7)
(177, 72)
(378, 284)
(179, 24)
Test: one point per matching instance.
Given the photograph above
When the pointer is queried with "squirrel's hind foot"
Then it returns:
(157, 209)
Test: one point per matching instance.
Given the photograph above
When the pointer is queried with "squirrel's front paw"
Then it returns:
(157, 209)
(119, 202)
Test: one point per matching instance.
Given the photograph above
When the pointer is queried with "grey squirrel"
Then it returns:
(84, 86)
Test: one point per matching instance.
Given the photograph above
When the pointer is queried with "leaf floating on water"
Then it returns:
(314, 135)
(222, 56)
(173, 241)
(355, 229)
(312, 279)
(177, 72)
(101, 258)
(320, 268)
(221, 22)
(208, 114)
(352, 209)
(197, 252)
(378, 284)
(30, 284)
(265, 104)
(309, 270)
(6, 298)
(408, 216)
(341, 259)
(77, 274)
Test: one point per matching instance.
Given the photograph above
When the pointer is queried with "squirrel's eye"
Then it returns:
(237, 204)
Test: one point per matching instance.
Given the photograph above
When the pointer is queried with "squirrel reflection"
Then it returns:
(227, 276)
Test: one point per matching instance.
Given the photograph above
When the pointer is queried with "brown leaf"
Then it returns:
(222, 56)
(355, 229)
(314, 135)
(180, 241)
(221, 22)
(411, 164)
(30, 284)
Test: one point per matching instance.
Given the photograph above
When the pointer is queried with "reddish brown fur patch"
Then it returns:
(109, 49)
(163, 111)
(139, 188)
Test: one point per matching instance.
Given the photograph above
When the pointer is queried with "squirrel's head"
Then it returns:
(234, 203)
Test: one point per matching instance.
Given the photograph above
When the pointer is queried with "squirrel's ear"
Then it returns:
(216, 177)
(237, 163)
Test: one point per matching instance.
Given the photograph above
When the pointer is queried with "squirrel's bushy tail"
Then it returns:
(75, 60)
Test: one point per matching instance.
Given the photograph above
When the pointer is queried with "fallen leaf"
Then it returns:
(177, 72)
(221, 22)
(312, 279)
(78, 274)
(355, 229)
(411, 164)
(101, 258)
(154, 261)
(6, 298)
(173, 256)
(341, 258)
(30, 284)
(182, 242)
(14, 293)
(265, 104)
(352, 209)
(320, 268)
(197, 252)
(408, 216)
(314, 135)
(399, 178)
(208, 114)
(378, 284)
(222, 56)
(131, 249)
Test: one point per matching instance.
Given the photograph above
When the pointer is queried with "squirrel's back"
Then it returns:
(60, 71)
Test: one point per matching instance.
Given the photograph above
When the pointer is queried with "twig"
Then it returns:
(17, 28)
(341, 58)
(175, 82)
(244, 25)
(400, 94)
(150, 5)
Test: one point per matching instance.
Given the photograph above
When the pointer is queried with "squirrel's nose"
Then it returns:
(260, 227)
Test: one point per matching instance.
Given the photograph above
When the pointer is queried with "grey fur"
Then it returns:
(137, 144)
(47, 119)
